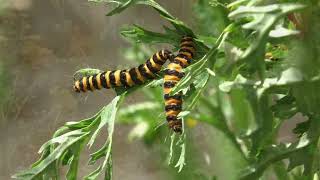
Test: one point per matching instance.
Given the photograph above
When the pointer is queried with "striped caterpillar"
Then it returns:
(124, 78)
(173, 74)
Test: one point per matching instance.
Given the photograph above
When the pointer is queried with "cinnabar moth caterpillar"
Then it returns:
(125, 78)
(173, 74)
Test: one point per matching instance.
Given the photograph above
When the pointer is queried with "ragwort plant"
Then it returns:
(257, 65)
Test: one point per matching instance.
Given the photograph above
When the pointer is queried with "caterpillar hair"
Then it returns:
(124, 78)
(173, 74)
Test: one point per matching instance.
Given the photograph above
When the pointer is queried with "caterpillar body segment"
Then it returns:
(124, 78)
(173, 74)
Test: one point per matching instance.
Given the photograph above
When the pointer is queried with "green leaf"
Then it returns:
(181, 143)
(302, 128)
(285, 107)
(290, 77)
(208, 16)
(181, 162)
(192, 96)
(66, 142)
(86, 72)
(124, 4)
(108, 115)
(121, 5)
(73, 170)
(309, 156)
(242, 117)
(201, 65)
(264, 20)
(307, 98)
(141, 35)
(281, 31)
(271, 155)
(193, 71)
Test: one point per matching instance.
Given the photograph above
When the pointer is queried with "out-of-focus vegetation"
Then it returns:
(257, 66)
(7, 105)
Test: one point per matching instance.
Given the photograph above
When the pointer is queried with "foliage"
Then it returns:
(256, 68)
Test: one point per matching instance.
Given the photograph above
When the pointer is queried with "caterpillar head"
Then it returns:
(168, 55)
(177, 129)
(176, 126)
(76, 86)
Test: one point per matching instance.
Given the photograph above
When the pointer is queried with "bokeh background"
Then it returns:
(42, 44)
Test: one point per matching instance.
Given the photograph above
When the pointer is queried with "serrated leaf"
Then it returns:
(201, 65)
(108, 115)
(124, 4)
(285, 107)
(199, 84)
(302, 128)
(53, 156)
(309, 156)
(180, 142)
(141, 35)
(83, 123)
(264, 19)
(121, 5)
(193, 71)
(281, 31)
(86, 72)
(73, 170)
(271, 155)
(181, 162)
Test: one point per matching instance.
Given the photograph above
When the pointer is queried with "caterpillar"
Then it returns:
(124, 78)
(173, 74)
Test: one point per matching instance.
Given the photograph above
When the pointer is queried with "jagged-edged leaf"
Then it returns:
(73, 170)
(193, 94)
(107, 118)
(285, 107)
(281, 31)
(121, 5)
(108, 115)
(141, 35)
(181, 161)
(85, 123)
(193, 71)
(124, 4)
(86, 72)
(202, 64)
(264, 20)
(207, 10)
(66, 143)
(309, 156)
(181, 144)
(241, 114)
(289, 77)
(271, 155)
(302, 128)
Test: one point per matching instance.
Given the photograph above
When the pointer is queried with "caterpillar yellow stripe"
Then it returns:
(173, 74)
(124, 78)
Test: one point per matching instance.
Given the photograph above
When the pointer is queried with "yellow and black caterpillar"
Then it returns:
(126, 78)
(173, 74)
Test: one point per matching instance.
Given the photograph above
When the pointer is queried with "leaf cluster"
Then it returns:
(256, 68)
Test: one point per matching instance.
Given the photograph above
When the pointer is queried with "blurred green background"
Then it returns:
(44, 42)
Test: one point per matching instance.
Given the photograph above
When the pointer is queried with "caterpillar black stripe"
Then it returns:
(126, 78)
(173, 74)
